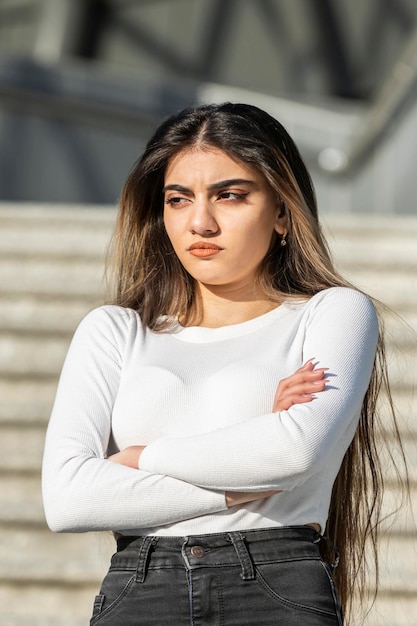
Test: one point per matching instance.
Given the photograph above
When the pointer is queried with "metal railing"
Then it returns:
(397, 93)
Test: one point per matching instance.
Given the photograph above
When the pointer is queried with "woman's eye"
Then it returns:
(175, 201)
(232, 195)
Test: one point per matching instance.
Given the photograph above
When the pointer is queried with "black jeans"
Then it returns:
(259, 577)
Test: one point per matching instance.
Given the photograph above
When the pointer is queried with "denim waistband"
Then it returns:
(239, 548)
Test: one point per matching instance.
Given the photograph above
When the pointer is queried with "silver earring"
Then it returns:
(283, 240)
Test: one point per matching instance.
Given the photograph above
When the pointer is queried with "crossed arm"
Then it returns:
(298, 388)
(84, 490)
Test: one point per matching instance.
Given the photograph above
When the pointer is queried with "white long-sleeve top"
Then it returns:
(200, 399)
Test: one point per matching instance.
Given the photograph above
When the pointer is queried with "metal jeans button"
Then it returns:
(197, 551)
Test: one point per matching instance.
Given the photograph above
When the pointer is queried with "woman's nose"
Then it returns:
(202, 220)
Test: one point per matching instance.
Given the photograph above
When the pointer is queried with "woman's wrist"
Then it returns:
(129, 456)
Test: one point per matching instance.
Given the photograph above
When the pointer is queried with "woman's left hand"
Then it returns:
(129, 456)
(300, 387)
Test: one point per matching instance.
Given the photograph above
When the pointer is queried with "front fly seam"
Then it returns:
(190, 596)
(189, 579)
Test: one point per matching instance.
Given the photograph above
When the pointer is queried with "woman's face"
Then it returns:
(220, 215)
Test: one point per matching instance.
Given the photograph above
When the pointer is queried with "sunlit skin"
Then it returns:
(221, 217)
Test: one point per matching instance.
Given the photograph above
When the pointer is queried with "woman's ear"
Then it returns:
(281, 220)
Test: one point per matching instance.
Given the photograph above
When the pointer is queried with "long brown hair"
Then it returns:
(150, 279)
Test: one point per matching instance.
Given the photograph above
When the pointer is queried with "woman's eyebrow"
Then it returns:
(221, 184)
(173, 187)
(231, 182)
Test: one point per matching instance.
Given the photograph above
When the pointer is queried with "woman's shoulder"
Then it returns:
(112, 314)
(334, 297)
(343, 295)
(337, 302)
(110, 319)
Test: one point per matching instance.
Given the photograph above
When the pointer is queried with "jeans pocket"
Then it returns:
(329, 572)
(300, 585)
(98, 605)
(114, 588)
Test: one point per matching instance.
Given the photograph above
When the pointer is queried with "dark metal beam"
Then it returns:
(334, 53)
(76, 111)
(399, 12)
(212, 46)
(141, 37)
(273, 17)
(96, 17)
(17, 13)
(384, 15)
(396, 97)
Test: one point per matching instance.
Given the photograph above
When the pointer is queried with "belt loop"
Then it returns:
(143, 557)
(184, 554)
(238, 541)
(333, 549)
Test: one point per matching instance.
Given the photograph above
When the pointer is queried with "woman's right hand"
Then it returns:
(234, 498)
(300, 387)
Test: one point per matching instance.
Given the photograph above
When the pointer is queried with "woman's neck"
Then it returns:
(214, 308)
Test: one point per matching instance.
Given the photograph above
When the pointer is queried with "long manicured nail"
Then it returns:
(309, 362)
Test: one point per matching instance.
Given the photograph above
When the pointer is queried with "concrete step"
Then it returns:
(401, 514)
(410, 452)
(51, 275)
(389, 285)
(31, 316)
(398, 559)
(366, 225)
(55, 216)
(25, 356)
(376, 252)
(26, 400)
(21, 500)
(64, 278)
(402, 367)
(38, 556)
(63, 241)
(356, 240)
(42, 605)
(22, 449)
(391, 610)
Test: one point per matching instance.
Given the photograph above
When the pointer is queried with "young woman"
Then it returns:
(218, 416)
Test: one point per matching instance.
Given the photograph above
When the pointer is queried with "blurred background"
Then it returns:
(83, 84)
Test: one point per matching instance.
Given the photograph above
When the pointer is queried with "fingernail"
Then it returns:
(309, 362)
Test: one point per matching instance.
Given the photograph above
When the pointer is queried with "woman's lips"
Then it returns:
(204, 249)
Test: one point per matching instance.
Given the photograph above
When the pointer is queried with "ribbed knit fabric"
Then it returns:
(201, 400)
